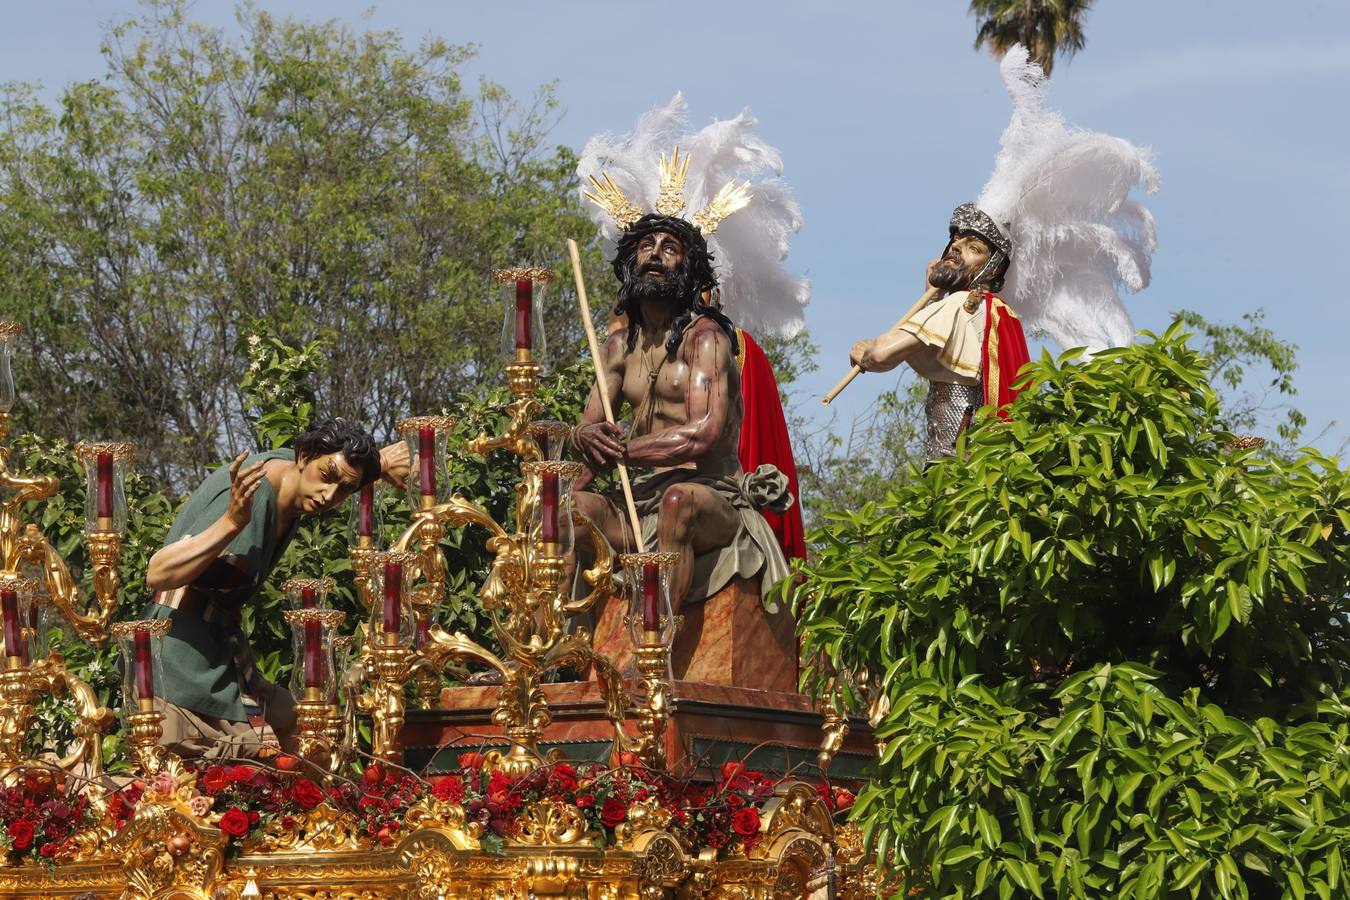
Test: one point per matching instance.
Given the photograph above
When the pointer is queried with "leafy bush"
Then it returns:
(1113, 646)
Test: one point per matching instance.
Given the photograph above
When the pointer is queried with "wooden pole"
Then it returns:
(856, 371)
(600, 387)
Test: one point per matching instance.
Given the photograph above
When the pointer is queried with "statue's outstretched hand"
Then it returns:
(394, 463)
(861, 354)
(601, 443)
(243, 484)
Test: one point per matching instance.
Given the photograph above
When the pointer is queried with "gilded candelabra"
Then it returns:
(528, 593)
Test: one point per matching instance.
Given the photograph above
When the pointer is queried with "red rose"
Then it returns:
(372, 776)
(746, 821)
(563, 778)
(214, 780)
(613, 812)
(586, 801)
(471, 760)
(735, 801)
(241, 774)
(234, 822)
(307, 794)
(20, 833)
(48, 850)
(732, 769)
(287, 763)
(843, 799)
(254, 817)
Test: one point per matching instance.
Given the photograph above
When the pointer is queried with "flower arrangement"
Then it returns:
(40, 816)
(247, 801)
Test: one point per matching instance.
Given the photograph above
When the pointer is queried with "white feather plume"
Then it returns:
(1078, 237)
(749, 246)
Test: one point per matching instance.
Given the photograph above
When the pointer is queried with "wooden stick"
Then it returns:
(600, 387)
(857, 370)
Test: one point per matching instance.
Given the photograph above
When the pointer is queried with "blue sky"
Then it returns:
(1244, 103)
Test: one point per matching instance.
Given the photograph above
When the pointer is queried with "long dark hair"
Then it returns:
(694, 276)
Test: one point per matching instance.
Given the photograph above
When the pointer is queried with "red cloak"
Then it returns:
(764, 438)
(1005, 351)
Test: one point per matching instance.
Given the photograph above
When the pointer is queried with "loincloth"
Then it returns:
(753, 551)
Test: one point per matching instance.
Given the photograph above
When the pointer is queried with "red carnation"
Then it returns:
(307, 794)
(20, 833)
(613, 812)
(585, 801)
(448, 790)
(241, 774)
(716, 839)
(48, 850)
(746, 821)
(214, 780)
(234, 822)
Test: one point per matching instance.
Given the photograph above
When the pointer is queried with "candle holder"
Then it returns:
(551, 437)
(523, 290)
(426, 438)
(389, 655)
(367, 520)
(105, 498)
(548, 504)
(308, 593)
(652, 625)
(314, 679)
(16, 597)
(141, 643)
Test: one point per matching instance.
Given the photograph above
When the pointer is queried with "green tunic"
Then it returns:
(200, 651)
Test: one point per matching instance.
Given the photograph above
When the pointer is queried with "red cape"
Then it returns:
(1005, 351)
(764, 439)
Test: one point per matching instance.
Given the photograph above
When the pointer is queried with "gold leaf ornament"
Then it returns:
(611, 199)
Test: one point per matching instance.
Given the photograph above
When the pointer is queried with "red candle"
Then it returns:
(548, 501)
(542, 441)
(313, 655)
(9, 609)
(651, 597)
(145, 682)
(309, 598)
(365, 511)
(393, 595)
(426, 459)
(524, 301)
(105, 484)
(423, 631)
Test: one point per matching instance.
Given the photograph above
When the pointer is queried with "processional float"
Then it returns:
(513, 822)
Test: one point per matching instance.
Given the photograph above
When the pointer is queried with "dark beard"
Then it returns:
(651, 286)
(949, 278)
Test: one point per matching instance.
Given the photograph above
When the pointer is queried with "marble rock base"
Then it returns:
(727, 639)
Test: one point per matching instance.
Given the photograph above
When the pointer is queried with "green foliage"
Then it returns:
(1195, 596)
(333, 183)
(1234, 351)
(278, 387)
